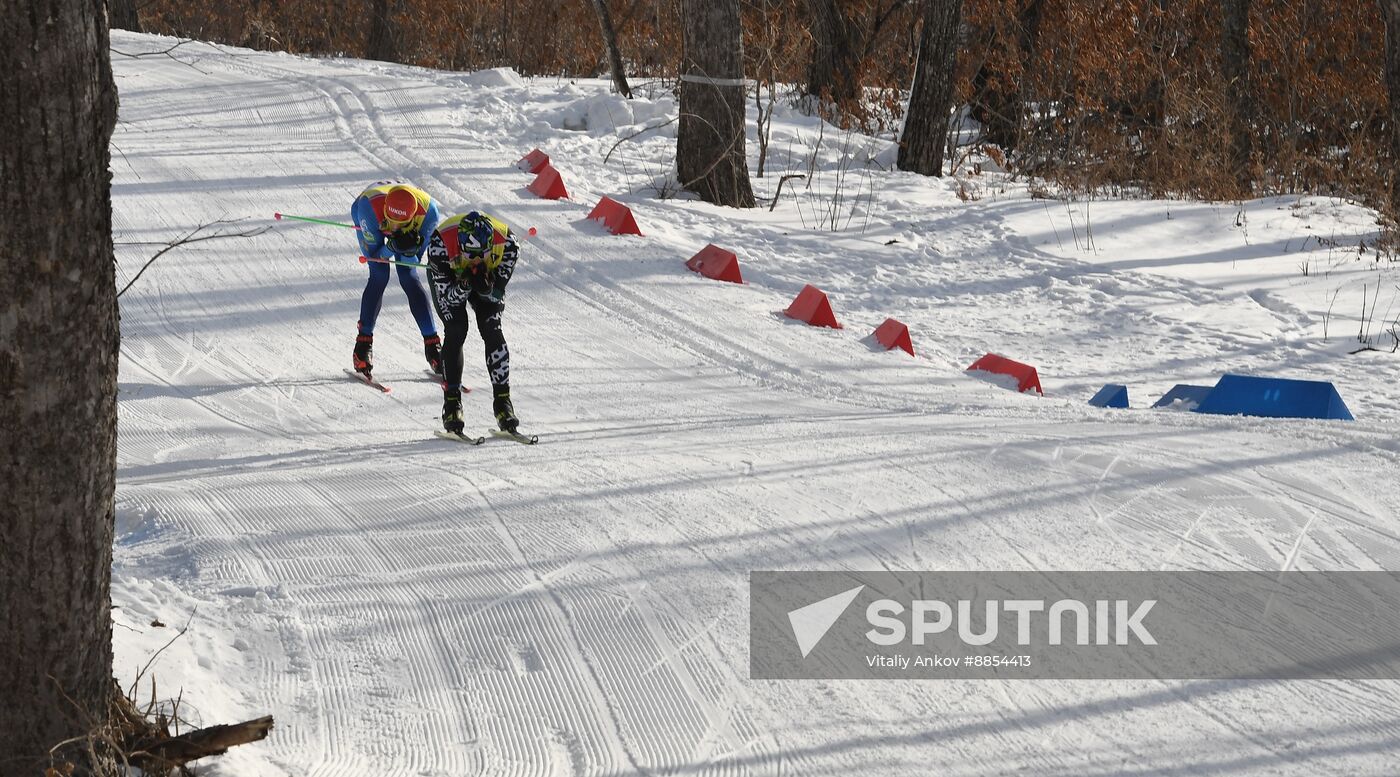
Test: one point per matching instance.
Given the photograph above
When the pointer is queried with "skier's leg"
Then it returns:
(417, 301)
(422, 313)
(370, 301)
(452, 309)
(373, 297)
(488, 321)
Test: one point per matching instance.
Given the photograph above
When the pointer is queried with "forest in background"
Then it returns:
(1095, 96)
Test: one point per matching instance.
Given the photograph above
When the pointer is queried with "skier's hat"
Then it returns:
(475, 235)
(400, 205)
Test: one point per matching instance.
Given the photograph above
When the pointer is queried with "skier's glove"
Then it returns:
(479, 281)
(494, 295)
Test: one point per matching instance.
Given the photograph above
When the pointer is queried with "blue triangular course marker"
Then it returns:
(1190, 396)
(1275, 398)
(1111, 395)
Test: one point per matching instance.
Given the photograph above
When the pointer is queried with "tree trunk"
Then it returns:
(1002, 112)
(1239, 97)
(926, 125)
(58, 376)
(121, 15)
(381, 44)
(619, 73)
(832, 71)
(1390, 11)
(710, 143)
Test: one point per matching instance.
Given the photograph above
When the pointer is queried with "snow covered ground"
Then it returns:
(408, 606)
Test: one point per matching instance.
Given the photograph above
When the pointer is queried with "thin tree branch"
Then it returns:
(166, 53)
(642, 131)
(779, 193)
(192, 236)
(155, 655)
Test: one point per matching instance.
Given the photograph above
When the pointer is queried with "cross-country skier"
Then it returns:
(395, 220)
(470, 260)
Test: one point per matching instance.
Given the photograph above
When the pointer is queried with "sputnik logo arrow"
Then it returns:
(811, 623)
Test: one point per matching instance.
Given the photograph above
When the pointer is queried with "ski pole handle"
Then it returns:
(367, 260)
(280, 216)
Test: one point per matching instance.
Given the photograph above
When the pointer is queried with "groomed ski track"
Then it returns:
(407, 606)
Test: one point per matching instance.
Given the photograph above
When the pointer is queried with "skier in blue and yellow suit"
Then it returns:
(471, 258)
(395, 220)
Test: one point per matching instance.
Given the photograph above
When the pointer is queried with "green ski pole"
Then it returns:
(280, 216)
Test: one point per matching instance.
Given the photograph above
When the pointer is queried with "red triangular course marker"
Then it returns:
(893, 334)
(615, 216)
(533, 161)
(717, 263)
(548, 184)
(811, 306)
(1025, 375)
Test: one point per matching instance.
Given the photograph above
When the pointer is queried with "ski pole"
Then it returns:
(366, 260)
(280, 216)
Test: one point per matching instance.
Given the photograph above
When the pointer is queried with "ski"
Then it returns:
(368, 381)
(459, 437)
(438, 379)
(523, 439)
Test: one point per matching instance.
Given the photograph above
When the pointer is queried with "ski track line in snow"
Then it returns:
(603, 719)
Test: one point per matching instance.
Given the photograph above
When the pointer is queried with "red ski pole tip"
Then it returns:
(277, 216)
(532, 231)
(364, 260)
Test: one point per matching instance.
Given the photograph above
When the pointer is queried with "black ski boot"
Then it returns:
(364, 354)
(452, 411)
(432, 351)
(505, 413)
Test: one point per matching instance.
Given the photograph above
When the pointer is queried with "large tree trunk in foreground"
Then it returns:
(58, 376)
(710, 142)
(926, 126)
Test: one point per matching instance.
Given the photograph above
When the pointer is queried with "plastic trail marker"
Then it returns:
(280, 216)
(367, 260)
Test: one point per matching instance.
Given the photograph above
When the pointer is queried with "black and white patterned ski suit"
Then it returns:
(480, 287)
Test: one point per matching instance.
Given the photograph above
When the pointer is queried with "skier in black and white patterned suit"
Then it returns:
(471, 257)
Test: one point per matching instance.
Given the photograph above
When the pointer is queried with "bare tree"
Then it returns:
(381, 44)
(58, 378)
(833, 70)
(619, 73)
(1390, 11)
(1001, 110)
(1239, 97)
(710, 143)
(926, 127)
(844, 34)
(121, 15)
